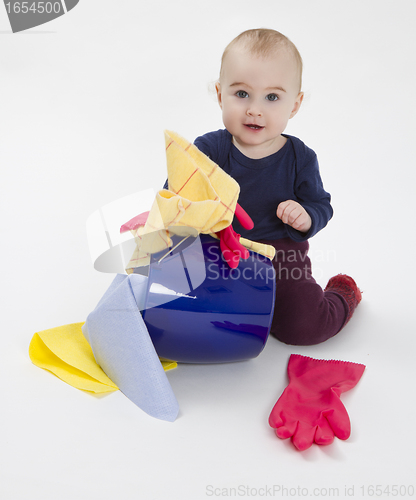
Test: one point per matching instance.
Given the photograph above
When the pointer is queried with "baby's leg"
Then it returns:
(304, 314)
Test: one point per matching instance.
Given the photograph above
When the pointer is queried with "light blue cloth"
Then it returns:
(123, 348)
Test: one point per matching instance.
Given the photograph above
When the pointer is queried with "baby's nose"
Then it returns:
(254, 110)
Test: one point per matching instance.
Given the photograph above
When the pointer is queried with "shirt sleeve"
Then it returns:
(209, 144)
(310, 193)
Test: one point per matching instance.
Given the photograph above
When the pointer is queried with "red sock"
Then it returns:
(344, 285)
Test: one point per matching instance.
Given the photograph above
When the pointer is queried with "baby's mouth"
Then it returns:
(253, 127)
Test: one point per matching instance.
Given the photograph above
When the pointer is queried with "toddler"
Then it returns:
(259, 90)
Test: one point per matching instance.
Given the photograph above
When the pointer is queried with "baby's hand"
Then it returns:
(292, 213)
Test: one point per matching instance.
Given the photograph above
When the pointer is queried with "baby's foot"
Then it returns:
(346, 287)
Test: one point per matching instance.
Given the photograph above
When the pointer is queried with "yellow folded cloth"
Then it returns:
(201, 194)
(201, 199)
(65, 352)
(261, 248)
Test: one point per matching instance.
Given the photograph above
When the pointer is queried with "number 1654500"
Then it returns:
(34, 7)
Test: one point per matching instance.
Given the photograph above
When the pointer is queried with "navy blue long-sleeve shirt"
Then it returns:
(292, 173)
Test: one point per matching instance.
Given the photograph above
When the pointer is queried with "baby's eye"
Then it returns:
(242, 94)
(272, 97)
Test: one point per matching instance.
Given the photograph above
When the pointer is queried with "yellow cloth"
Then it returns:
(201, 199)
(65, 352)
(261, 248)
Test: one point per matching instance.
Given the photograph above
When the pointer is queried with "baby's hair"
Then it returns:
(264, 42)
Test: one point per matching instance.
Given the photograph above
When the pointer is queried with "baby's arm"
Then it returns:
(292, 213)
(312, 209)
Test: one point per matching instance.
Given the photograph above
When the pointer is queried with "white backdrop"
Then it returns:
(84, 101)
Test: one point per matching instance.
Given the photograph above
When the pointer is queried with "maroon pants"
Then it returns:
(304, 314)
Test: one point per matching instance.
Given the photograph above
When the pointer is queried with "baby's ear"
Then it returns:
(297, 104)
(219, 97)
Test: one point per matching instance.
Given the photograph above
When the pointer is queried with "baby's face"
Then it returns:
(258, 96)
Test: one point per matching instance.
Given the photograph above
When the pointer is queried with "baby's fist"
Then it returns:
(292, 213)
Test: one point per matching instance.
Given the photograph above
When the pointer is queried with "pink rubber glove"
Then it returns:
(231, 248)
(135, 222)
(243, 218)
(310, 410)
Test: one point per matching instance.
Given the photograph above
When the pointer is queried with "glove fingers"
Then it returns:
(324, 433)
(135, 222)
(233, 243)
(238, 249)
(284, 425)
(243, 218)
(287, 429)
(304, 436)
(276, 417)
(340, 422)
(230, 257)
